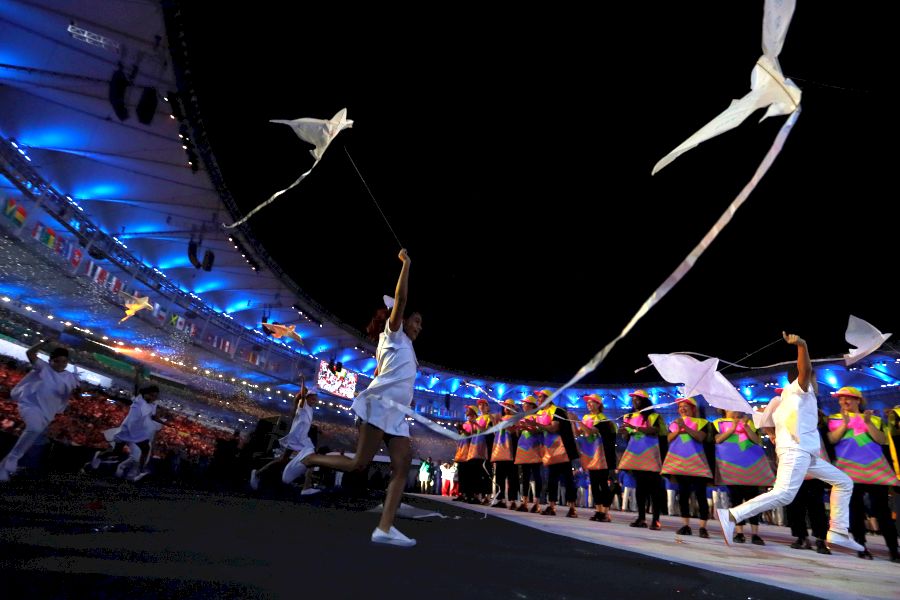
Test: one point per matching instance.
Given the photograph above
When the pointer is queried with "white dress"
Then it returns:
(397, 367)
(298, 437)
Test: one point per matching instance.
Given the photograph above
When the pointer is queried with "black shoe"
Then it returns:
(821, 548)
(865, 555)
(801, 544)
(655, 526)
(739, 538)
(703, 533)
(685, 530)
(895, 557)
(638, 523)
(757, 540)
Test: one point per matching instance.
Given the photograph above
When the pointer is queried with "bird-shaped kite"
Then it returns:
(133, 304)
(768, 86)
(319, 133)
(700, 378)
(278, 331)
(864, 337)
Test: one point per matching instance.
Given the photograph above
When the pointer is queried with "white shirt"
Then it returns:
(45, 389)
(298, 437)
(797, 420)
(138, 425)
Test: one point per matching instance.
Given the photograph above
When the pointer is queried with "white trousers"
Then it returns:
(35, 424)
(793, 465)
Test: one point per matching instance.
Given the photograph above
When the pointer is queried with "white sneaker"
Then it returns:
(727, 524)
(95, 462)
(836, 538)
(310, 491)
(294, 469)
(140, 476)
(254, 480)
(393, 538)
(4, 474)
(120, 470)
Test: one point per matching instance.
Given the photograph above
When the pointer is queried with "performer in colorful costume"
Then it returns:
(686, 461)
(503, 456)
(858, 439)
(742, 465)
(643, 456)
(597, 448)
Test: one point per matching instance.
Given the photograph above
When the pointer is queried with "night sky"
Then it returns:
(511, 152)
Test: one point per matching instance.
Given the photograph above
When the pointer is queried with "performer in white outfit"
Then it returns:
(42, 394)
(136, 432)
(296, 441)
(377, 407)
(796, 420)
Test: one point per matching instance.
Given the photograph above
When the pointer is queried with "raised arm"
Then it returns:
(31, 353)
(803, 364)
(138, 377)
(396, 321)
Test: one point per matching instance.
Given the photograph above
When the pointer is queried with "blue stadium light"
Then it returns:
(832, 380)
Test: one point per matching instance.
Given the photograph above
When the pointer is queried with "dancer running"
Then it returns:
(42, 394)
(297, 440)
(380, 419)
(797, 444)
(135, 432)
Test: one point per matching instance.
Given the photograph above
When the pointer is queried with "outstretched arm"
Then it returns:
(396, 321)
(31, 353)
(803, 364)
(138, 377)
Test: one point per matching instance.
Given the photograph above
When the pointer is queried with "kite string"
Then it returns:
(745, 357)
(372, 196)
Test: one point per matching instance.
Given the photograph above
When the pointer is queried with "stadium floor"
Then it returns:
(70, 536)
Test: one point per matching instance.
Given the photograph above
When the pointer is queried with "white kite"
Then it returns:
(133, 304)
(317, 132)
(864, 337)
(768, 86)
(278, 331)
(700, 378)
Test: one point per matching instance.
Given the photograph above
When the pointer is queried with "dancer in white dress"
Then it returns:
(381, 420)
(42, 394)
(297, 440)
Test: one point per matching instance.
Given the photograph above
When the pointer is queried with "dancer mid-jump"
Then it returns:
(796, 440)
(380, 419)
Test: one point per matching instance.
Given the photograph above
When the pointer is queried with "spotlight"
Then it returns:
(208, 258)
(192, 254)
(146, 107)
(118, 85)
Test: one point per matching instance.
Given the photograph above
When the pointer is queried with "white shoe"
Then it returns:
(120, 470)
(294, 469)
(95, 462)
(392, 537)
(4, 474)
(310, 491)
(835, 538)
(727, 524)
(140, 476)
(254, 480)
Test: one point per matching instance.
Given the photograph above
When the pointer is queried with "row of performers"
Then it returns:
(691, 450)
